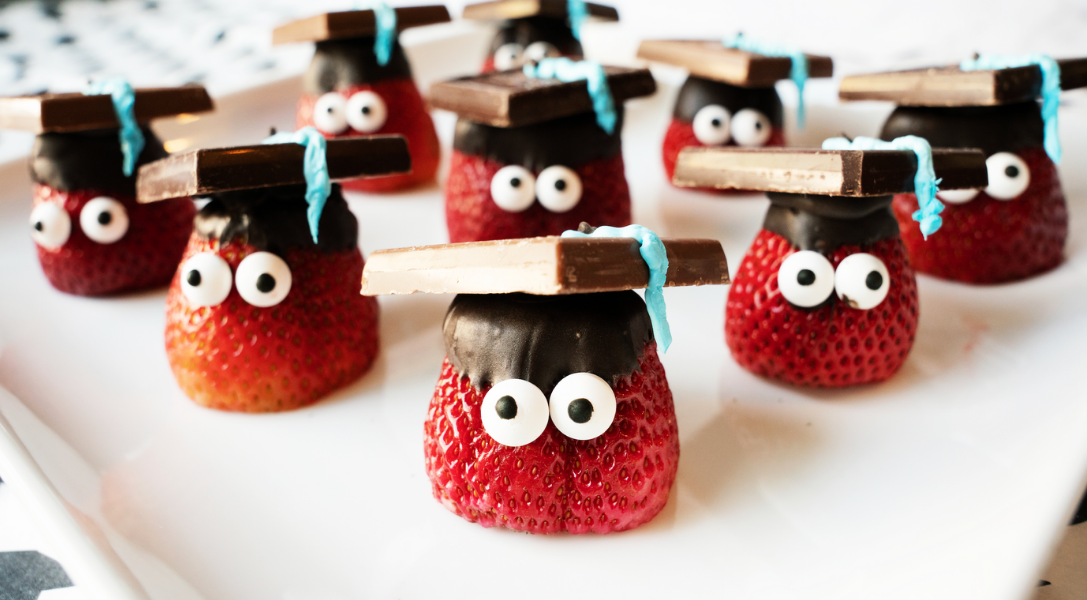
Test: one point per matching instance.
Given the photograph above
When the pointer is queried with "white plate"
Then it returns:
(952, 480)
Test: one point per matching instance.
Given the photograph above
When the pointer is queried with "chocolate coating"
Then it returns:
(541, 339)
(89, 160)
(538, 29)
(340, 64)
(826, 223)
(274, 220)
(993, 129)
(698, 93)
(570, 141)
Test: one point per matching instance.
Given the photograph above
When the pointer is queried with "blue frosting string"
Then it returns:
(385, 22)
(315, 168)
(798, 73)
(1051, 89)
(577, 12)
(656, 258)
(124, 105)
(592, 73)
(925, 184)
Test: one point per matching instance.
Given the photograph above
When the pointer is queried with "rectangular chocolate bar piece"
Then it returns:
(950, 86)
(544, 266)
(824, 172)
(710, 59)
(76, 112)
(501, 10)
(354, 24)
(213, 170)
(511, 99)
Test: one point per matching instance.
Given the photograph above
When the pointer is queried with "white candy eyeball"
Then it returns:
(330, 113)
(582, 406)
(558, 188)
(750, 128)
(50, 225)
(711, 125)
(263, 279)
(862, 281)
(1009, 176)
(957, 196)
(366, 112)
(514, 412)
(537, 51)
(513, 188)
(104, 220)
(206, 279)
(509, 56)
(806, 278)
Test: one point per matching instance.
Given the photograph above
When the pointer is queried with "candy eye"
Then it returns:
(330, 113)
(104, 220)
(750, 128)
(1009, 176)
(862, 281)
(582, 406)
(509, 56)
(514, 412)
(537, 51)
(263, 279)
(513, 188)
(957, 196)
(366, 112)
(558, 188)
(50, 225)
(205, 279)
(711, 125)
(806, 278)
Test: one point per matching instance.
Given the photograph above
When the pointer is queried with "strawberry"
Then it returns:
(144, 257)
(614, 482)
(681, 135)
(235, 356)
(987, 240)
(472, 214)
(407, 115)
(830, 345)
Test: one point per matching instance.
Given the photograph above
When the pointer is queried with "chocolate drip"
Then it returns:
(538, 29)
(89, 160)
(274, 219)
(826, 223)
(541, 339)
(570, 141)
(340, 64)
(698, 93)
(993, 129)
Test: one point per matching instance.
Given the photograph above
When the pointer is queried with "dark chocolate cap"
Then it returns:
(1002, 128)
(354, 24)
(76, 112)
(341, 64)
(825, 223)
(88, 160)
(711, 59)
(697, 93)
(570, 141)
(501, 10)
(538, 29)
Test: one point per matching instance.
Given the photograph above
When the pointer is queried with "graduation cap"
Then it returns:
(89, 141)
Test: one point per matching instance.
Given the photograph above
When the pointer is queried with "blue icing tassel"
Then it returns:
(315, 168)
(1051, 89)
(656, 258)
(592, 73)
(798, 73)
(385, 22)
(124, 105)
(925, 184)
(577, 12)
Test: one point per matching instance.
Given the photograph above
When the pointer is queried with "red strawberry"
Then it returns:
(987, 240)
(472, 214)
(235, 356)
(615, 482)
(145, 257)
(831, 345)
(407, 116)
(681, 135)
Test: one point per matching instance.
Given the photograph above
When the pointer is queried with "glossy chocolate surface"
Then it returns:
(570, 141)
(538, 29)
(698, 93)
(88, 160)
(541, 339)
(340, 64)
(825, 223)
(993, 129)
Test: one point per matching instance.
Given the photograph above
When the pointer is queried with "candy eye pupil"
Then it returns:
(758, 125)
(515, 182)
(580, 410)
(193, 277)
(506, 407)
(716, 122)
(365, 110)
(874, 281)
(1012, 171)
(805, 277)
(560, 185)
(330, 110)
(266, 283)
(39, 226)
(104, 218)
